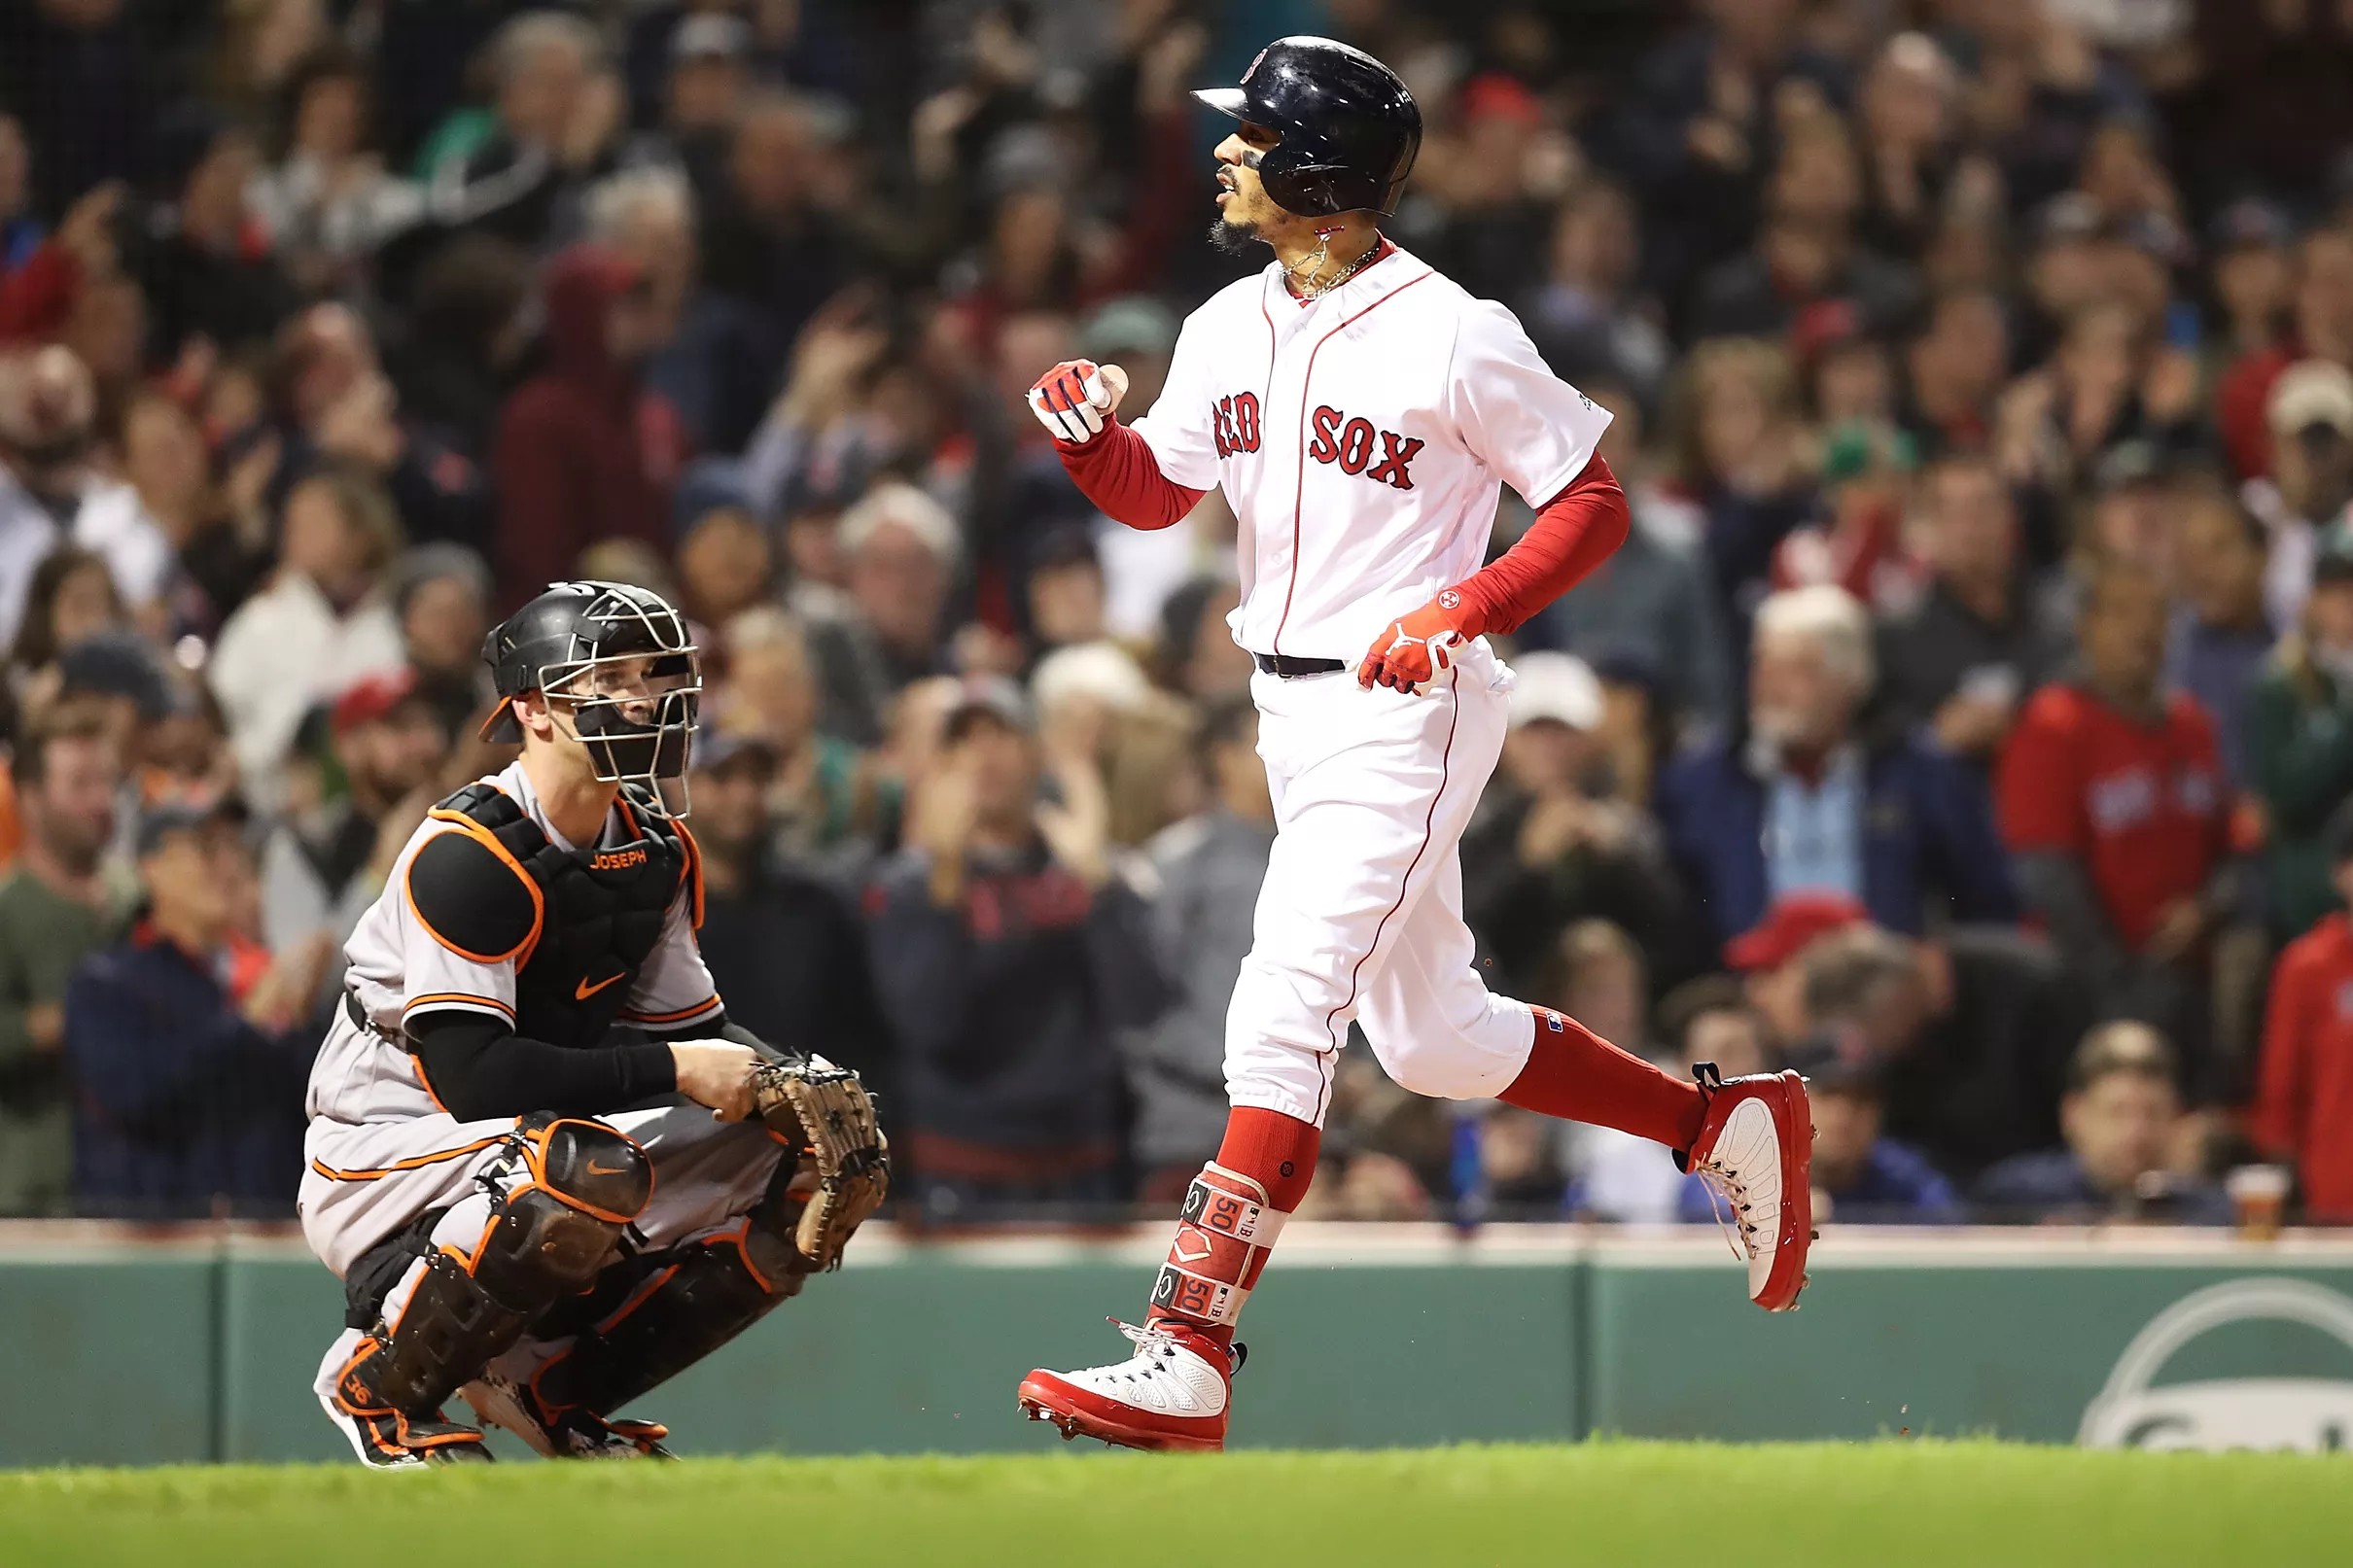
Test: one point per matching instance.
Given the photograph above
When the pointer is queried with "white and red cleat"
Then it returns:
(1755, 1149)
(1170, 1394)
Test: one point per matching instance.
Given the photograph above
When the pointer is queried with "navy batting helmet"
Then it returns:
(1348, 129)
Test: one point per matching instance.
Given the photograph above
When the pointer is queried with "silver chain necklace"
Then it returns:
(1316, 290)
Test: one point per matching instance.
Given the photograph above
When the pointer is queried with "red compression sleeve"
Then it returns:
(1117, 471)
(1573, 533)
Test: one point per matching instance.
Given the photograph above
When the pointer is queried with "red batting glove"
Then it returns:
(1073, 400)
(1412, 651)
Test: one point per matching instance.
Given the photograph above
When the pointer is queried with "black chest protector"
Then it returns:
(598, 913)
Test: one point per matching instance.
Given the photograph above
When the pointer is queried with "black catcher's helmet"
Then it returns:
(570, 643)
(1349, 129)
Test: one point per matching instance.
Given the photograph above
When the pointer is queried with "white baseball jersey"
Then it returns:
(1360, 438)
(398, 966)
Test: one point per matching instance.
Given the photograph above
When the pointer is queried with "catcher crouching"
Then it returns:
(549, 1171)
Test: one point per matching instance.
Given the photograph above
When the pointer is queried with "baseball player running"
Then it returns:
(1360, 411)
(548, 1170)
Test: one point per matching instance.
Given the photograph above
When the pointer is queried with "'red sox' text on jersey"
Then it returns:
(1362, 438)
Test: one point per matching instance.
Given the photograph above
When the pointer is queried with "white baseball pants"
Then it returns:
(1361, 916)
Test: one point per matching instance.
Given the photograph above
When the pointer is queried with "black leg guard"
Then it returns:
(703, 1296)
(579, 1314)
(548, 1237)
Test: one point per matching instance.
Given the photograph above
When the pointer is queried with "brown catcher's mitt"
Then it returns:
(830, 1117)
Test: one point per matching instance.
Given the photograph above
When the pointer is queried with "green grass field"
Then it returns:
(1910, 1504)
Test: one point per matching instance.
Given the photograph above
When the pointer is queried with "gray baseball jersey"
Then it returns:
(401, 967)
(381, 1150)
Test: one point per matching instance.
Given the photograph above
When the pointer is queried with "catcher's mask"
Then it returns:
(617, 665)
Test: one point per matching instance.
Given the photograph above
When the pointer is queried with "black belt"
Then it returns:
(1289, 667)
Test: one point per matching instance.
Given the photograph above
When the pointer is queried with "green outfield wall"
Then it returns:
(124, 1351)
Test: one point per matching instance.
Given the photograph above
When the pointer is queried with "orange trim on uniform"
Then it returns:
(367, 1348)
(417, 1067)
(679, 1017)
(414, 1163)
(521, 952)
(534, 1157)
(407, 1441)
(637, 1298)
(737, 1239)
(440, 1440)
(480, 1244)
(694, 869)
(467, 999)
(498, 1213)
(548, 1408)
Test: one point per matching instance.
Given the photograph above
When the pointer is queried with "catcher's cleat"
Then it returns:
(1170, 1394)
(1755, 1150)
(389, 1439)
(573, 1434)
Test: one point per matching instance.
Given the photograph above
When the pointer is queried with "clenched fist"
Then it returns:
(1073, 400)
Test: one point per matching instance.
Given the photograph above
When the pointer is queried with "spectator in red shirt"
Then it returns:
(2304, 1106)
(2111, 797)
(2324, 330)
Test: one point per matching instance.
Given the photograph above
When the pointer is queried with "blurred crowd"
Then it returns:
(1968, 722)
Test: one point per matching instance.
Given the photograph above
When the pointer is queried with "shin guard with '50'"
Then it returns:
(1223, 1234)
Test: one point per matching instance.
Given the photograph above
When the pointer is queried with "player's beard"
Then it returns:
(1234, 239)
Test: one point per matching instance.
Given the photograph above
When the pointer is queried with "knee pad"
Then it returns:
(541, 1248)
(547, 1238)
(587, 1166)
(537, 1250)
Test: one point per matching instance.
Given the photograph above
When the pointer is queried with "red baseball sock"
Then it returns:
(1232, 1215)
(1578, 1076)
(1276, 1151)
